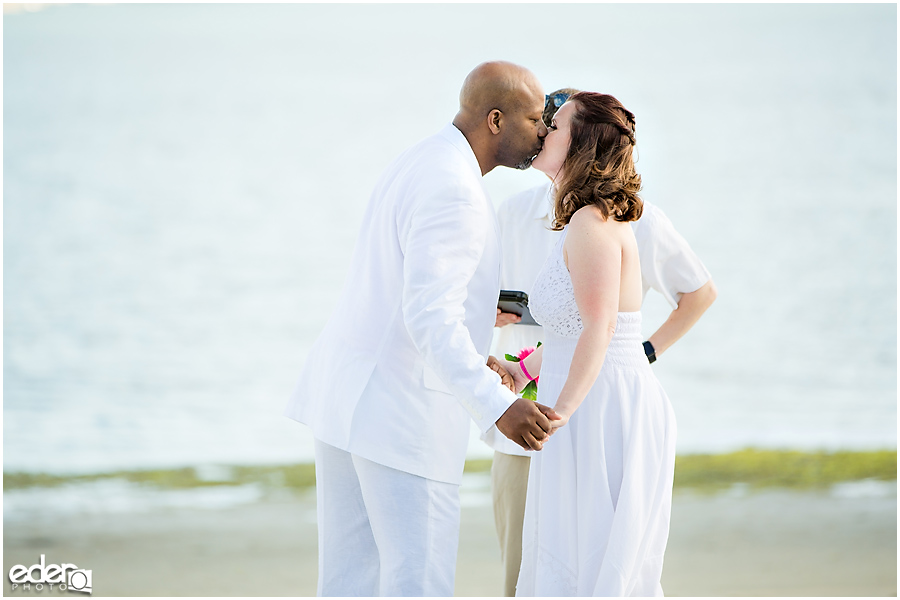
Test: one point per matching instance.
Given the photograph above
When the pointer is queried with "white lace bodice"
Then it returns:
(552, 299)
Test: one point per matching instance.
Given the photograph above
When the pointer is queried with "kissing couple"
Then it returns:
(400, 368)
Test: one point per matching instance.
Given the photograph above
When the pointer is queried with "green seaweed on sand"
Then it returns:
(783, 468)
(755, 468)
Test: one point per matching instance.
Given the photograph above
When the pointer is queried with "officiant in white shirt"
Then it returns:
(392, 381)
(668, 265)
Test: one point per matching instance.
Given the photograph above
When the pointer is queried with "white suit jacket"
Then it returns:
(400, 366)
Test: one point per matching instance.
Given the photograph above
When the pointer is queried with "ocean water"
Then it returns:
(183, 184)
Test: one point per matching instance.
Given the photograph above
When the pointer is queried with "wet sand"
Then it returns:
(769, 543)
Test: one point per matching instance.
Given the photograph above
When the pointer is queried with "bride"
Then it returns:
(599, 494)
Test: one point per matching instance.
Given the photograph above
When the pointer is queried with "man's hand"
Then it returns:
(527, 423)
(505, 318)
(505, 378)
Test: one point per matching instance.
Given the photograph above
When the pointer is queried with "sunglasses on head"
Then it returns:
(558, 99)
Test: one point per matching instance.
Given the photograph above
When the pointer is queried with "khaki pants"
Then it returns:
(509, 482)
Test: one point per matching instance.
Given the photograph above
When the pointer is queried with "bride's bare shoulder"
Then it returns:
(589, 218)
(585, 218)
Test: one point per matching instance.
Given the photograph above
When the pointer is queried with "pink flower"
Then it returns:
(523, 353)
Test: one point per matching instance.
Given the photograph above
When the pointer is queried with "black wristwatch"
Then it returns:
(650, 351)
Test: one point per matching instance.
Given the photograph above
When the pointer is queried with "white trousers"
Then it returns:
(383, 532)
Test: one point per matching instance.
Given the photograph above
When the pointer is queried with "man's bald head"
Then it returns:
(497, 84)
(500, 108)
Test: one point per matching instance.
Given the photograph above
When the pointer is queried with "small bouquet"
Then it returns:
(530, 390)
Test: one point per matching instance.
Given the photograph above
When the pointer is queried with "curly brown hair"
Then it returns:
(599, 166)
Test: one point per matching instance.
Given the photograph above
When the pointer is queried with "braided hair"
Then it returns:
(599, 165)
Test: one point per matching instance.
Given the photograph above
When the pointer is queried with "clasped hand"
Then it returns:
(527, 423)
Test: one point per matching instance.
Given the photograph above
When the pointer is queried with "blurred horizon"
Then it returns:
(183, 185)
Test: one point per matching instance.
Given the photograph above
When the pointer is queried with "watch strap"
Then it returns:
(650, 351)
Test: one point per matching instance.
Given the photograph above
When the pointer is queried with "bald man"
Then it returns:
(392, 381)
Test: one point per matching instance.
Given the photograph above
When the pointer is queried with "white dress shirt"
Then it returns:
(668, 265)
(400, 367)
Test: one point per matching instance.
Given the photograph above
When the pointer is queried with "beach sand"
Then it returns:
(737, 543)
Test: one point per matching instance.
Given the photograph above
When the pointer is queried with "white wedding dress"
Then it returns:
(600, 492)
